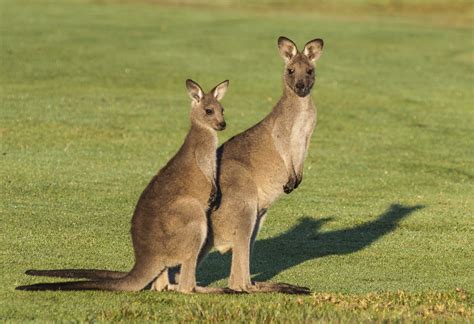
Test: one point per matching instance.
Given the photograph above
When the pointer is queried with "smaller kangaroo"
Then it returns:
(170, 225)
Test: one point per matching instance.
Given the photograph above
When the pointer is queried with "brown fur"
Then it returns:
(255, 167)
(169, 225)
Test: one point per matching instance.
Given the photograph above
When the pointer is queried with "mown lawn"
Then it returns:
(93, 103)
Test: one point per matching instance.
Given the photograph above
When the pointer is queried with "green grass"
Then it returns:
(93, 103)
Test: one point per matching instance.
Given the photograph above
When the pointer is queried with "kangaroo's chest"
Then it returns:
(300, 135)
(207, 165)
(205, 160)
(291, 135)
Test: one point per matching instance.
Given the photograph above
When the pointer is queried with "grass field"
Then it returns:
(93, 103)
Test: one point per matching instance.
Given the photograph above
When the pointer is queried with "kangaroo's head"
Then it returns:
(206, 108)
(300, 70)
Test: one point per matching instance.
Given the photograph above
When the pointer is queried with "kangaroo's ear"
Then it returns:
(219, 91)
(313, 49)
(287, 48)
(194, 90)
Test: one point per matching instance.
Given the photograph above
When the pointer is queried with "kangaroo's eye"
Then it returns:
(209, 111)
(310, 71)
(291, 71)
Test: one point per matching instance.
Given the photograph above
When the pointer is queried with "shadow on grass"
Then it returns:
(303, 242)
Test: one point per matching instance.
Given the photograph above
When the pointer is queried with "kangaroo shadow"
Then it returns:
(303, 242)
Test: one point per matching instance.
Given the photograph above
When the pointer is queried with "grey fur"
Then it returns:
(256, 166)
(169, 225)
(254, 169)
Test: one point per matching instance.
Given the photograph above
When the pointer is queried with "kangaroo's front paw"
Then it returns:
(299, 178)
(290, 185)
(213, 198)
(287, 189)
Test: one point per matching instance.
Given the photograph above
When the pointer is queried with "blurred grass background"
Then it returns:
(456, 12)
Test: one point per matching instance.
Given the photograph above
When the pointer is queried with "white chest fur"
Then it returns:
(301, 132)
(291, 133)
(206, 159)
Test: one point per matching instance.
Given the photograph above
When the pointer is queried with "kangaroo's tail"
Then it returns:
(135, 280)
(93, 274)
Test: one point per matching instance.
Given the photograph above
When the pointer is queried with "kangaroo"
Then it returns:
(170, 224)
(253, 169)
(256, 166)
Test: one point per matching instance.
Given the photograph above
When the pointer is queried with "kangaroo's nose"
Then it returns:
(299, 85)
(222, 124)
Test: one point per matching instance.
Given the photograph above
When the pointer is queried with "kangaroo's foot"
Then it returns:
(240, 283)
(280, 287)
(197, 289)
(241, 286)
(161, 283)
(171, 287)
(202, 290)
(214, 290)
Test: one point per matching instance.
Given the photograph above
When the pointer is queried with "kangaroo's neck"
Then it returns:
(201, 145)
(290, 104)
(201, 137)
(199, 133)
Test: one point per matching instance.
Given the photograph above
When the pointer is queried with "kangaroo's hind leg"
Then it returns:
(187, 282)
(193, 238)
(187, 277)
(186, 234)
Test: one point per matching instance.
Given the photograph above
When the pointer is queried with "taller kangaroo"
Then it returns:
(256, 166)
